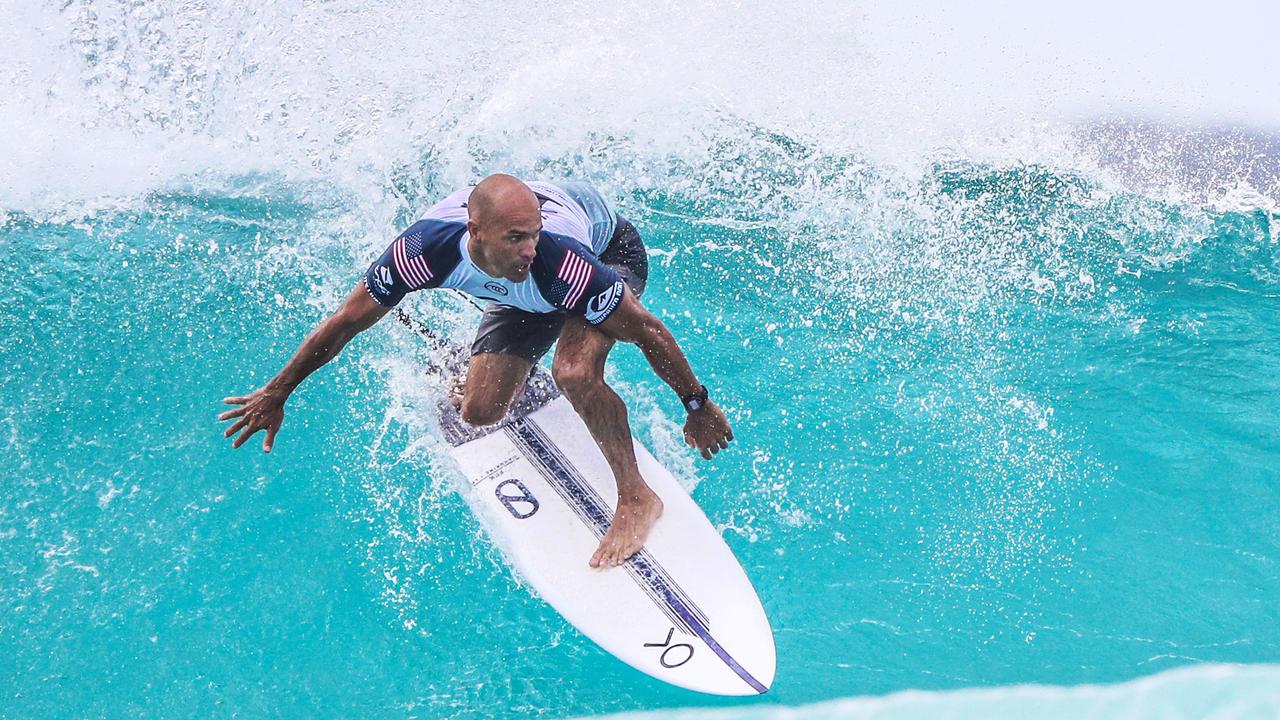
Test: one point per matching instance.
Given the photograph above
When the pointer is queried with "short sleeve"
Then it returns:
(382, 281)
(599, 306)
(578, 282)
(417, 259)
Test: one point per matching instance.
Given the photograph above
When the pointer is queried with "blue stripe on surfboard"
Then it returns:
(589, 509)
(600, 524)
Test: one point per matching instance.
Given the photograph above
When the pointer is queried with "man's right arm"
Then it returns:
(358, 313)
(263, 409)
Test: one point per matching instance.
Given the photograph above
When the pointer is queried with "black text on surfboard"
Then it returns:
(673, 656)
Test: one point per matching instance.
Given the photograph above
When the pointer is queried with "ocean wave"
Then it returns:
(1201, 692)
(117, 99)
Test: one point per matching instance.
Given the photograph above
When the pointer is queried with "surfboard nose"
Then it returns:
(744, 648)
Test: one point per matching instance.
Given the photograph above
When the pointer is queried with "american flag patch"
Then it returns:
(407, 254)
(576, 273)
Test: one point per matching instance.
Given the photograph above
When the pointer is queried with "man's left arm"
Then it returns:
(706, 428)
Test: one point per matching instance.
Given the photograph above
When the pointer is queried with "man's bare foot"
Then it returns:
(457, 389)
(634, 518)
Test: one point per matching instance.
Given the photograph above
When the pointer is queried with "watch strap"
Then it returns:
(695, 401)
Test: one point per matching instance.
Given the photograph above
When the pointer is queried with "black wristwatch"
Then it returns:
(696, 401)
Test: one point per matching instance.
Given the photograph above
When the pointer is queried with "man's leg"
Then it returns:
(508, 342)
(578, 369)
(492, 381)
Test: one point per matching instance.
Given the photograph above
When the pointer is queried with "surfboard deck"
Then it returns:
(681, 610)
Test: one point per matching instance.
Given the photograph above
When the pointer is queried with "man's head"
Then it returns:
(504, 219)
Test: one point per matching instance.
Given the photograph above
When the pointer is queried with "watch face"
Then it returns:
(695, 403)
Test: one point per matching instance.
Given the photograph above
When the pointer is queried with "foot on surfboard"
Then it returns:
(632, 521)
(457, 386)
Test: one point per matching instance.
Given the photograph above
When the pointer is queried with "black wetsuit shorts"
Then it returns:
(530, 335)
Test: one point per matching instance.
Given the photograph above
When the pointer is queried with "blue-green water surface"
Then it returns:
(1006, 426)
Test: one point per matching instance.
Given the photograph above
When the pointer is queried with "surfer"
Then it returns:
(556, 262)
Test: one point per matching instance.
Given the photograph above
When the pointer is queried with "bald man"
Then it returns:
(555, 262)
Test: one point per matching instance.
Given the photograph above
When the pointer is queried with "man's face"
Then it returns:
(509, 237)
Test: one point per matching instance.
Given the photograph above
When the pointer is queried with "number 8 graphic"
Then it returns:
(510, 492)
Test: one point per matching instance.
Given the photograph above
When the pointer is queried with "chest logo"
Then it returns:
(496, 288)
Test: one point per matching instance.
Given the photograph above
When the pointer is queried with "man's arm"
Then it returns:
(263, 409)
(706, 429)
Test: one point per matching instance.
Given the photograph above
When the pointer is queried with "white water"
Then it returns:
(1218, 692)
(102, 98)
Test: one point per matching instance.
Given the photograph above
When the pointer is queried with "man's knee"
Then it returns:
(576, 379)
(481, 413)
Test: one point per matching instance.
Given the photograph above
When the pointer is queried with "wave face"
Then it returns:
(1002, 365)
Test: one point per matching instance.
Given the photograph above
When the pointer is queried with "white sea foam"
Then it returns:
(1203, 692)
(109, 98)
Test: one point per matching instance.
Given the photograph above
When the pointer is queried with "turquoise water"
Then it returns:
(1006, 413)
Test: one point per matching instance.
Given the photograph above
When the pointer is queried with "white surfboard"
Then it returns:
(681, 610)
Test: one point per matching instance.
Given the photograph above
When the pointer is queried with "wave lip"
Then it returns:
(1217, 691)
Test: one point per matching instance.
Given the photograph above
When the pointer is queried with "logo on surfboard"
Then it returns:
(512, 493)
(680, 653)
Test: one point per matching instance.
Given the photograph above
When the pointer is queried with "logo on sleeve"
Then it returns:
(599, 307)
(382, 279)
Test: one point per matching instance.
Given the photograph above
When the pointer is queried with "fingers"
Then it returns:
(235, 428)
(248, 429)
(248, 433)
(709, 449)
(717, 439)
(250, 418)
(234, 413)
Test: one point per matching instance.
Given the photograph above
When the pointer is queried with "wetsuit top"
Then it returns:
(577, 224)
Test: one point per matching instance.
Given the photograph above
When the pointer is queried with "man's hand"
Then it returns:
(707, 429)
(263, 409)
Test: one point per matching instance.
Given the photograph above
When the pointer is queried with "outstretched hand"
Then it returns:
(263, 409)
(707, 429)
